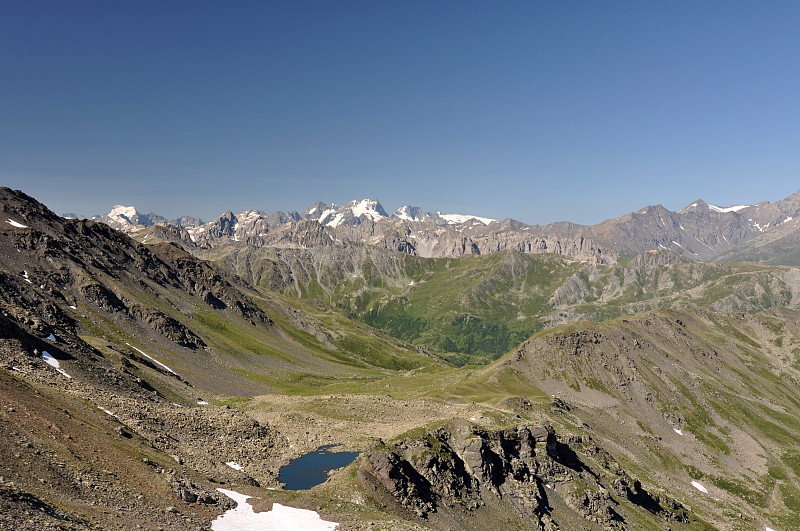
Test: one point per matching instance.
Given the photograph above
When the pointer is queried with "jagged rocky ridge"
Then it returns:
(699, 231)
(461, 476)
(365, 223)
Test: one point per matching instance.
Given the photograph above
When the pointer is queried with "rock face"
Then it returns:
(453, 478)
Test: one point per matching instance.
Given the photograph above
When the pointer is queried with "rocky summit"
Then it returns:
(638, 374)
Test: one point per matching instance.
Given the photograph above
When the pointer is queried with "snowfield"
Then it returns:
(461, 218)
(50, 360)
(16, 224)
(280, 518)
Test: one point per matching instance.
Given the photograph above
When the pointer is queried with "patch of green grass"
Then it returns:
(597, 385)
(792, 459)
(741, 336)
(791, 497)
(742, 489)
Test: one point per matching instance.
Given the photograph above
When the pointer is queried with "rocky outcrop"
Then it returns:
(102, 297)
(451, 477)
(170, 328)
(300, 235)
(578, 248)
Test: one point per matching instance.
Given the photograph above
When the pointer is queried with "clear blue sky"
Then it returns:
(536, 110)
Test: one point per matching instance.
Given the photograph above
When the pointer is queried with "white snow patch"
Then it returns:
(734, 208)
(790, 218)
(74, 307)
(104, 410)
(699, 487)
(336, 221)
(768, 528)
(51, 337)
(50, 360)
(234, 465)
(676, 243)
(16, 224)
(325, 214)
(202, 403)
(151, 358)
(461, 218)
(25, 276)
(679, 432)
(280, 518)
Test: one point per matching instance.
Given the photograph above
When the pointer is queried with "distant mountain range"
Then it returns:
(700, 231)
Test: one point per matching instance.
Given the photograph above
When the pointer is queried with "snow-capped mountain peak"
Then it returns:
(315, 210)
(702, 205)
(367, 207)
(123, 211)
(353, 213)
(410, 213)
(356, 212)
(122, 216)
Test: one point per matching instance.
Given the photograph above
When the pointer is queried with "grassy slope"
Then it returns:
(256, 358)
(729, 382)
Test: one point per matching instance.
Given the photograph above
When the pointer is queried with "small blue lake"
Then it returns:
(312, 469)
